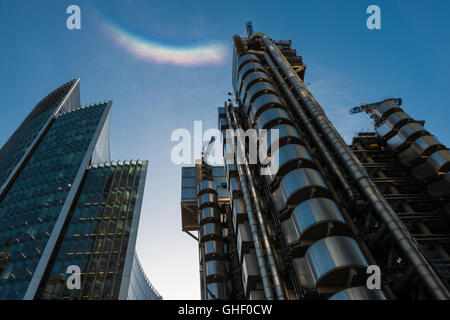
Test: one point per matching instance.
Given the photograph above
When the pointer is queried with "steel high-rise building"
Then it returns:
(311, 229)
(64, 203)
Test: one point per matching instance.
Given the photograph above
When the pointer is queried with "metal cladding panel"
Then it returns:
(188, 194)
(334, 253)
(407, 133)
(206, 186)
(385, 109)
(210, 231)
(244, 239)
(232, 171)
(217, 291)
(262, 103)
(213, 249)
(207, 200)
(278, 200)
(289, 233)
(245, 59)
(215, 271)
(235, 187)
(250, 272)
(436, 164)
(312, 217)
(252, 77)
(209, 214)
(249, 67)
(289, 156)
(257, 295)
(286, 134)
(188, 199)
(359, 293)
(303, 273)
(440, 188)
(423, 146)
(255, 90)
(188, 172)
(272, 117)
(239, 212)
(393, 122)
(297, 186)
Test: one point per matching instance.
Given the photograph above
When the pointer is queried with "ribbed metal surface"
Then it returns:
(385, 109)
(437, 163)
(407, 133)
(421, 147)
(286, 134)
(333, 256)
(392, 123)
(299, 185)
(271, 118)
(250, 79)
(207, 199)
(262, 103)
(211, 247)
(290, 157)
(256, 90)
(250, 272)
(317, 218)
(246, 69)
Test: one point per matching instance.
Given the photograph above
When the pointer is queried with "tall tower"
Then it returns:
(63, 203)
(313, 227)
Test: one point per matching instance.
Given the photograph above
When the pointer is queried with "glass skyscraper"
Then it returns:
(64, 203)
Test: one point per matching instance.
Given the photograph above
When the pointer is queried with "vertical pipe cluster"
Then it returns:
(326, 257)
(252, 220)
(212, 257)
(387, 215)
(259, 214)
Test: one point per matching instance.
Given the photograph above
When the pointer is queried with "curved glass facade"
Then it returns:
(140, 287)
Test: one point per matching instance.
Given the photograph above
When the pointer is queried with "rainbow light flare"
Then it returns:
(164, 54)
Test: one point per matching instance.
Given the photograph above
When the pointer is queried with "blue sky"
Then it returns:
(347, 65)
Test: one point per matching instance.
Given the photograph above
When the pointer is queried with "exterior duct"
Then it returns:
(262, 224)
(327, 156)
(260, 220)
(214, 273)
(298, 181)
(251, 216)
(396, 228)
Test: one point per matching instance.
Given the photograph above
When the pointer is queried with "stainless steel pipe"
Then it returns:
(259, 214)
(253, 225)
(323, 150)
(396, 228)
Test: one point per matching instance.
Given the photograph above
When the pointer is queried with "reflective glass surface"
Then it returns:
(32, 205)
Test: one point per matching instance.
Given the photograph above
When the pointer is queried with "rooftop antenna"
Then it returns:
(249, 26)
